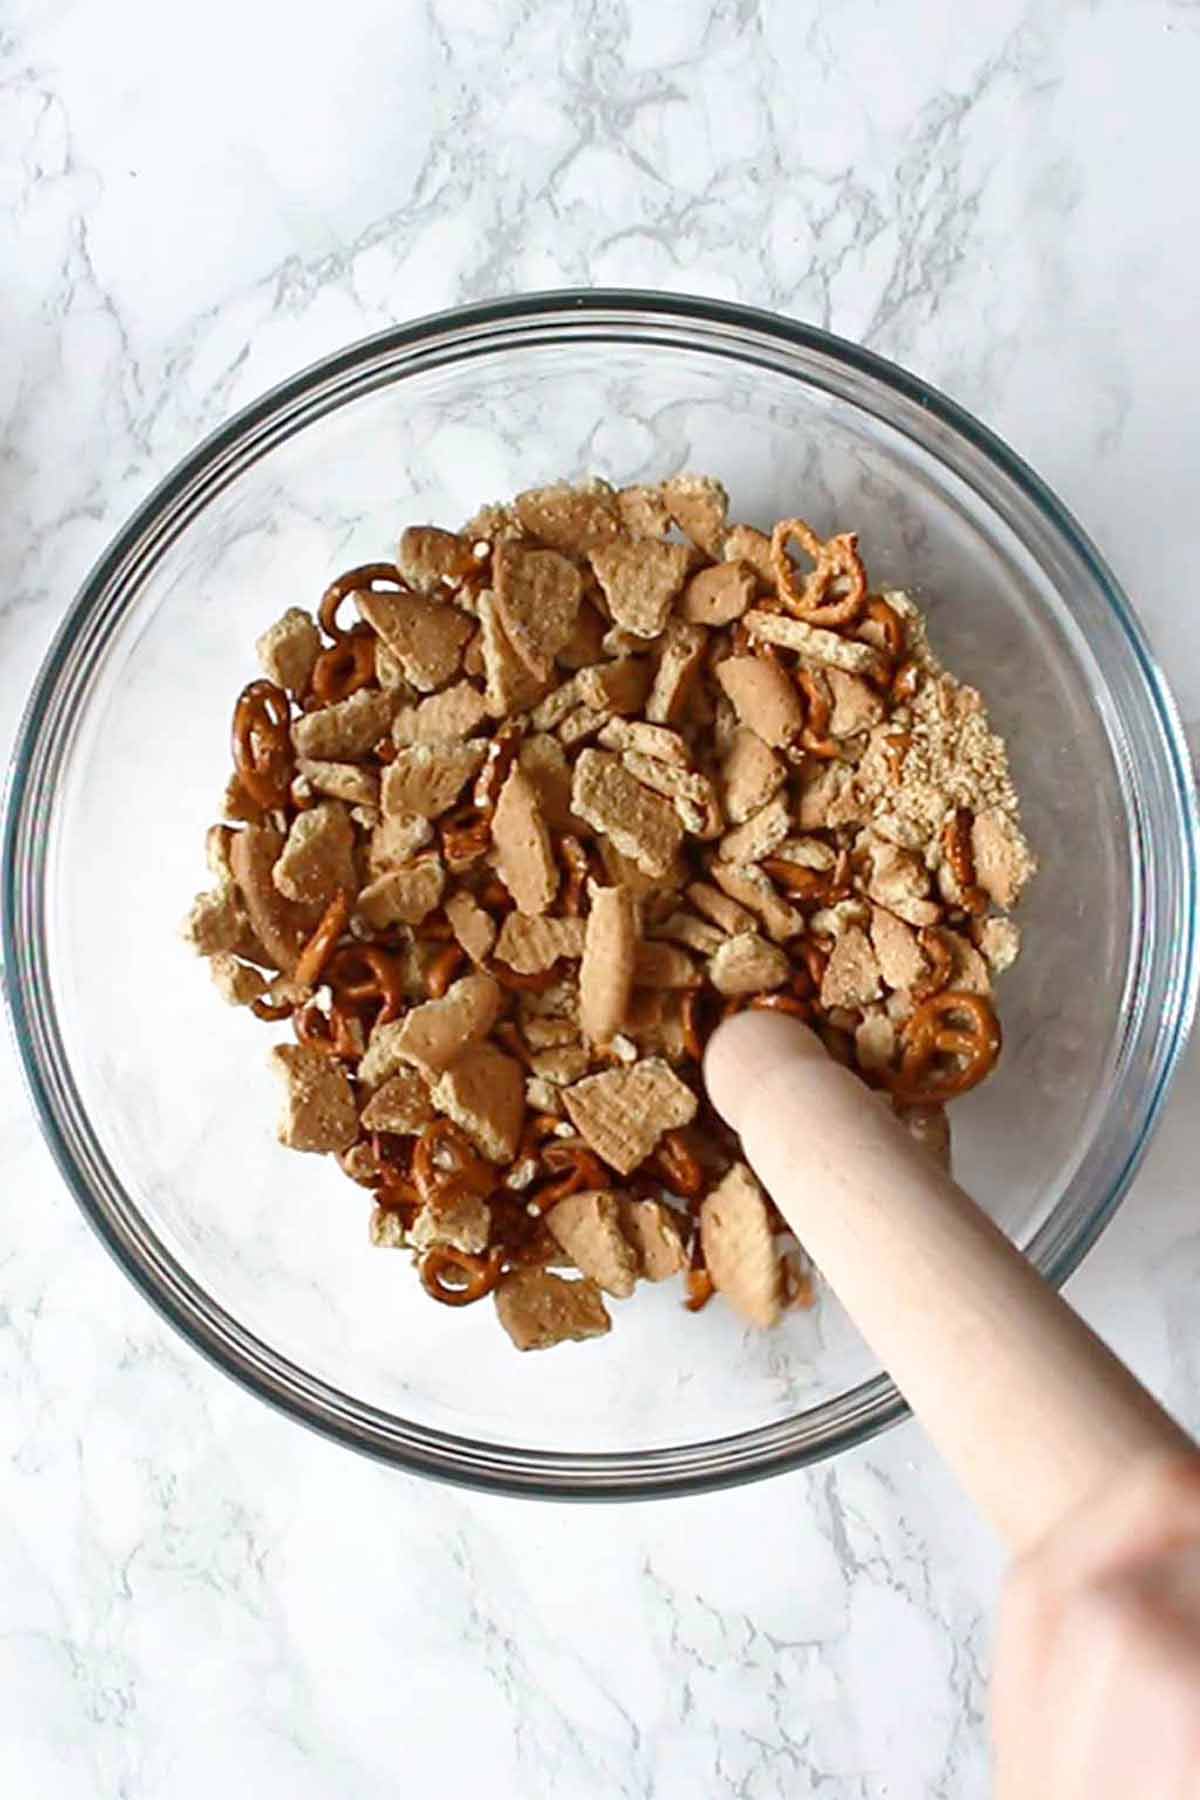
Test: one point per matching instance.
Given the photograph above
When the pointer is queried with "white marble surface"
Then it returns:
(195, 1595)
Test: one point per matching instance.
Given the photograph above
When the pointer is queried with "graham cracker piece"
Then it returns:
(623, 1112)
(542, 758)
(537, 597)
(719, 595)
(653, 1229)
(763, 832)
(748, 964)
(898, 880)
(562, 700)
(679, 664)
(663, 965)
(655, 1023)
(857, 706)
(510, 686)
(725, 912)
(403, 896)
(699, 506)
(751, 774)
(744, 544)
(852, 976)
(875, 1040)
(585, 722)
(576, 520)
(427, 779)
(483, 1091)
(523, 854)
(747, 884)
(764, 698)
(641, 825)
(238, 983)
(538, 1309)
(588, 1226)
(429, 557)
(619, 686)
(288, 650)
(433, 1035)
(827, 798)
(813, 643)
(401, 1105)
(456, 713)
(426, 637)
(999, 940)
(458, 1219)
(396, 840)
(739, 1251)
(640, 580)
(1003, 863)
(693, 933)
(317, 856)
(561, 1064)
(657, 741)
(609, 958)
(474, 929)
(218, 923)
(691, 794)
(902, 962)
(340, 781)
(531, 945)
(345, 730)
(319, 1112)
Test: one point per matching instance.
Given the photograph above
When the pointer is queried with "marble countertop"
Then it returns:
(198, 1596)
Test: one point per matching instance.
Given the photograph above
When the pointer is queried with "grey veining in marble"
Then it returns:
(198, 1596)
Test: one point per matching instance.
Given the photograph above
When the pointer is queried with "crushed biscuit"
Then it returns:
(427, 637)
(654, 1231)
(483, 1091)
(761, 833)
(724, 911)
(857, 706)
(456, 713)
(644, 512)
(319, 1111)
(509, 685)
(663, 965)
(902, 962)
(718, 595)
(764, 698)
(401, 1104)
(754, 890)
(543, 759)
(538, 1309)
(473, 928)
(693, 933)
(1003, 864)
(457, 1219)
(751, 774)
(619, 686)
(852, 974)
(537, 596)
(403, 896)
(427, 779)
(576, 520)
(523, 853)
(690, 793)
(588, 1226)
(999, 940)
(748, 964)
(288, 650)
(609, 960)
(743, 544)
(739, 1250)
(429, 557)
(679, 664)
(623, 1112)
(656, 741)
(640, 824)
(237, 982)
(813, 643)
(317, 859)
(349, 729)
(433, 1035)
(562, 1065)
(340, 781)
(640, 581)
(530, 945)
(396, 839)
(699, 506)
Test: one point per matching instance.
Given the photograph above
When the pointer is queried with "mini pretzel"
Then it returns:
(456, 1278)
(362, 975)
(579, 867)
(905, 682)
(676, 1163)
(956, 848)
(700, 1289)
(815, 738)
(319, 948)
(795, 879)
(581, 1169)
(271, 1012)
(331, 1032)
(443, 969)
(262, 743)
(941, 959)
(461, 1168)
(466, 835)
(784, 1002)
(394, 1156)
(344, 668)
(524, 984)
(368, 578)
(930, 1034)
(895, 638)
(837, 561)
(896, 747)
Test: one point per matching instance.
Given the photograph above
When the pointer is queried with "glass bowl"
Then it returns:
(155, 1096)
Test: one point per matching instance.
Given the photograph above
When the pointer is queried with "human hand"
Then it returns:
(1096, 1694)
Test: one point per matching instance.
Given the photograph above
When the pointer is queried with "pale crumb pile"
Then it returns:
(574, 783)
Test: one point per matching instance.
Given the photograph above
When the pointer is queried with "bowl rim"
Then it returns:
(853, 1417)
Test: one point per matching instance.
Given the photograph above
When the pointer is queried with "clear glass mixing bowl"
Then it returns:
(155, 1096)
